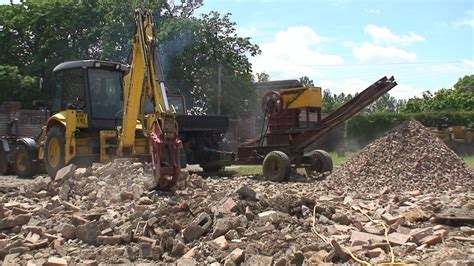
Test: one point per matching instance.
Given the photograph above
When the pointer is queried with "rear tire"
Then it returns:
(24, 164)
(321, 162)
(3, 163)
(54, 155)
(276, 166)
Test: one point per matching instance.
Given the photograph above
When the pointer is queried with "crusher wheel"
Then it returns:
(276, 166)
(320, 162)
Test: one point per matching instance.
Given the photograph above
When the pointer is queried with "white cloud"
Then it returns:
(468, 20)
(372, 53)
(291, 54)
(464, 22)
(469, 63)
(250, 31)
(383, 35)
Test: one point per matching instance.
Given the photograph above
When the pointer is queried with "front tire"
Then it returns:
(54, 154)
(276, 166)
(24, 164)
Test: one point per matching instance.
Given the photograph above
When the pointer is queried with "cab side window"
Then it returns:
(72, 93)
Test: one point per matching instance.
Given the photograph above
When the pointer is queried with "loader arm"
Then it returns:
(143, 85)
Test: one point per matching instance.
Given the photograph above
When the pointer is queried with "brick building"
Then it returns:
(29, 121)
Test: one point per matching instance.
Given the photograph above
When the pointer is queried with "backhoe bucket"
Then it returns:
(165, 159)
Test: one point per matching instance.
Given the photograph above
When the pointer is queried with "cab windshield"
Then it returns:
(105, 93)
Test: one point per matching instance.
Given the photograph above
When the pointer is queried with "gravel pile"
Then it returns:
(407, 158)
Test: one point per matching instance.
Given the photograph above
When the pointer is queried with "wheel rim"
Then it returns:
(53, 152)
(21, 161)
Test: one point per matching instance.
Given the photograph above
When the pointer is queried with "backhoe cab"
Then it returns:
(87, 108)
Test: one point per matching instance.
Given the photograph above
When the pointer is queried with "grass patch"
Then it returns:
(469, 160)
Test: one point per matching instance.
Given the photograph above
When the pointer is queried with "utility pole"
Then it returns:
(219, 87)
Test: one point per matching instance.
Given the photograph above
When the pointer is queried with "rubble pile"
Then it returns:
(105, 214)
(409, 157)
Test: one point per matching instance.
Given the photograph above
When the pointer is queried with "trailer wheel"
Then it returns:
(321, 162)
(23, 164)
(276, 166)
(54, 151)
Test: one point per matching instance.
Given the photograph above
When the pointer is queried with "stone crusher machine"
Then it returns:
(280, 148)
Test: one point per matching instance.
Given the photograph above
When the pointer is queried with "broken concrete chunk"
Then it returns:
(246, 192)
(88, 232)
(221, 243)
(69, 231)
(237, 255)
(65, 172)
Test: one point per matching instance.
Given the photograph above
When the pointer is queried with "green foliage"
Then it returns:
(386, 103)
(262, 77)
(441, 100)
(203, 44)
(37, 35)
(459, 98)
(17, 87)
(465, 84)
(365, 127)
(332, 101)
(306, 81)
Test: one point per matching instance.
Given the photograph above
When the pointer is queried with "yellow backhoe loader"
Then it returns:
(100, 113)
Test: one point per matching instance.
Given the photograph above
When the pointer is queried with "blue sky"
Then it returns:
(347, 45)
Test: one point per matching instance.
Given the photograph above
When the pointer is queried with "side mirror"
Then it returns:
(39, 104)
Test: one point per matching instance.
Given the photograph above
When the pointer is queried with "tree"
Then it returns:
(306, 81)
(465, 84)
(333, 101)
(441, 100)
(386, 103)
(192, 62)
(37, 35)
(262, 77)
(17, 87)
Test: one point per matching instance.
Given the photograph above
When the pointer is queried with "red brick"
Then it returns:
(373, 253)
(420, 233)
(50, 237)
(431, 240)
(390, 219)
(230, 205)
(55, 261)
(109, 240)
(398, 239)
(77, 219)
(366, 237)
